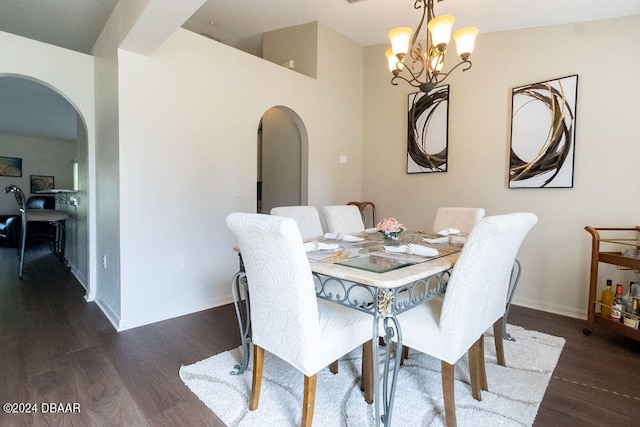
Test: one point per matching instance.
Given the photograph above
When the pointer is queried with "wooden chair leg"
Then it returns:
(447, 393)
(474, 369)
(256, 382)
(366, 379)
(333, 367)
(497, 337)
(405, 354)
(308, 400)
(483, 366)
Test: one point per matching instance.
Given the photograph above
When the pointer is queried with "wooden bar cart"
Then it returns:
(615, 258)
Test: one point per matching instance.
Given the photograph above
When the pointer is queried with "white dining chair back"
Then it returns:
(461, 218)
(306, 217)
(343, 219)
(286, 318)
(474, 301)
(477, 290)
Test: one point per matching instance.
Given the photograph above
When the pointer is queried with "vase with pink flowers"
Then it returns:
(390, 228)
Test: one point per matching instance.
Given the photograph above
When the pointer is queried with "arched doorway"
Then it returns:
(39, 125)
(282, 160)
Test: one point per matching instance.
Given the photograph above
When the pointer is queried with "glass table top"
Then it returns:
(370, 255)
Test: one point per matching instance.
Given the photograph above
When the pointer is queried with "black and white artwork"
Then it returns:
(543, 128)
(428, 125)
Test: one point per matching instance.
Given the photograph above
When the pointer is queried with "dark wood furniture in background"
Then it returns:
(361, 206)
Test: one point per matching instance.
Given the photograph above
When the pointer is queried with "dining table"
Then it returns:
(378, 276)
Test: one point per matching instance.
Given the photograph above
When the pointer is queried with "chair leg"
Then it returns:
(366, 379)
(308, 400)
(483, 366)
(475, 369)
(497, 337)
(405, 354)
(256, 382)
(22, 244)
(447, 393)
(333, 367)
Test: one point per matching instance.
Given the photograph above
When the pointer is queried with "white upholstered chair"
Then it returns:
(306, 217)
(474, 301)
(343, 219)
(461, 218)
(287, 319)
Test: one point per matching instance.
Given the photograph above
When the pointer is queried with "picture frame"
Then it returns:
(428, 131)
(11, 166)
(41, 182)
(543, 128)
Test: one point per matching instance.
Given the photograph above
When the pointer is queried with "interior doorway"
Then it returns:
(41, 127)
(282, 160)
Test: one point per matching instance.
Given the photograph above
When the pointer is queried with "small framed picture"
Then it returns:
(11, 166)
(41, 182)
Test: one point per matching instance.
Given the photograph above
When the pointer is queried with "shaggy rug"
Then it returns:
(514, 395)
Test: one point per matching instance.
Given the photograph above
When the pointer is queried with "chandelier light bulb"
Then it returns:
(400, 40)
(465, 41)
(394, 64)
(440, 29)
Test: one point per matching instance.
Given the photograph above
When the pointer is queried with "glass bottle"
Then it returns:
(618, 304)
(607, 300)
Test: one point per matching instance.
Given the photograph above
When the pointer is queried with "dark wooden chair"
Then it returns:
(361, 206)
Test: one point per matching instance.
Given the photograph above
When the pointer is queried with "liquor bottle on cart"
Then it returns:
(607, 300)
(618, 304)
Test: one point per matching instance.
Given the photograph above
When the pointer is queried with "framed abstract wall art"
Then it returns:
(543, 128)
(428, 131)
(41, 182)
(11, 166)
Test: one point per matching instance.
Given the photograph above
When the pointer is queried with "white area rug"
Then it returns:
(514, 395)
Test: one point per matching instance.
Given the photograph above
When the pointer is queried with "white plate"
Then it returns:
(338, 249)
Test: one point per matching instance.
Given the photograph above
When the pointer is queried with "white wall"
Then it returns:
(556, 253)
(71, 75)
(40, 156)
(188, 118)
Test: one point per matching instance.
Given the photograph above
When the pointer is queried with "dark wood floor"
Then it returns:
(56, 347)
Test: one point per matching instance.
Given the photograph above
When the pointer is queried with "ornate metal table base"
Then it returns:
(240, 290)
(384, 305)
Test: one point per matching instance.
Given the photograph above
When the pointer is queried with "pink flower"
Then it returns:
(390, 224)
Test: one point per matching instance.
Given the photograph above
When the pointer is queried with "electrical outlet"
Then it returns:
(104, 262)
(184, 263)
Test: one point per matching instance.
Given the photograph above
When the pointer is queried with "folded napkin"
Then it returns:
(447, 240)
(319, 246)
(412, 249)
(372, 230)
(344, 237)
(448, 231)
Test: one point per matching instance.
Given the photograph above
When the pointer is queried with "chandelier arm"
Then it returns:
(414, 77)
(414, 48)
(413, 82)
(445, 75)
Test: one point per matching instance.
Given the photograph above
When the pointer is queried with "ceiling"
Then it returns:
(76, 24)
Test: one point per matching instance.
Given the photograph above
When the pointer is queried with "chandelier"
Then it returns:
(407, 60)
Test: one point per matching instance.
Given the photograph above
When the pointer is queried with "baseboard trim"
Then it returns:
(136, 321)
(109, 313)
(562, 310)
